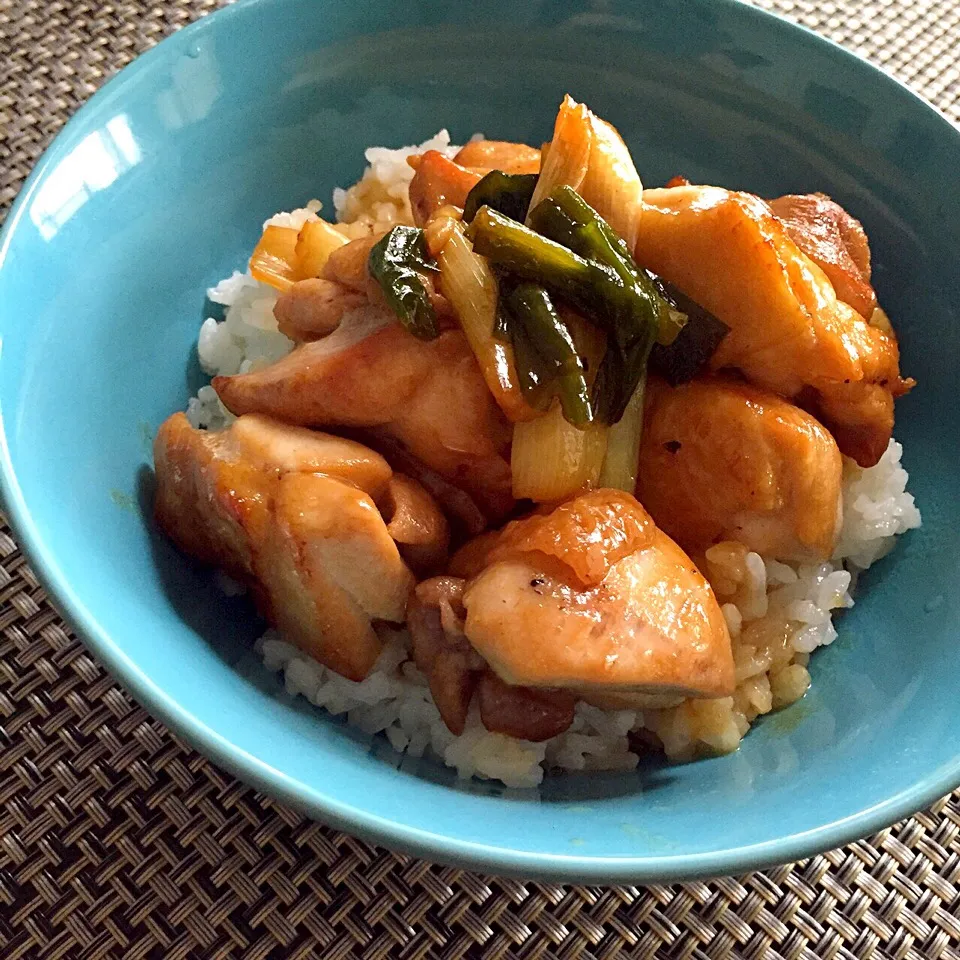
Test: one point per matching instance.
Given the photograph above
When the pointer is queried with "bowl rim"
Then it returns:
(256, 771)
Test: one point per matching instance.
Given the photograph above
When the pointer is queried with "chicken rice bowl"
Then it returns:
(535, 469)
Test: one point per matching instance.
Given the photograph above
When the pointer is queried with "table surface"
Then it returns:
(119, 841)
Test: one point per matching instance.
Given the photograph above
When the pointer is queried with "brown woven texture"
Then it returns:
(118, 841)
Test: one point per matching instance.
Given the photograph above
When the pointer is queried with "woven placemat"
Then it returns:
(119, 841)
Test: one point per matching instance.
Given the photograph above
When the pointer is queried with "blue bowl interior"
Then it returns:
(159, 187)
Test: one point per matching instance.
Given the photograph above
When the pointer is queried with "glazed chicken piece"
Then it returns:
(438, 182)
(722, 460)
(526, 713)
(456, 672)
(592, 598)
(347, 265)
(416, 523)
(441, 651)
(486, 155)
(293, 515)
(371, 373)
(313, 308)
(789, 332)
(457, 505)
(834, 241)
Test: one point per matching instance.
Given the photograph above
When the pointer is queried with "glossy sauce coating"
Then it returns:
(649, 624)
(722, 460)
(789, 332)
(292, 514)
(429, 395)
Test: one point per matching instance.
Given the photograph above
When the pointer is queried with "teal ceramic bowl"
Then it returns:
(158, 187)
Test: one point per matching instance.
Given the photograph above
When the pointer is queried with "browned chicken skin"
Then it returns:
(292, 514)
(834, 241)
(587, 600)
(429, 395)
(523, 712)
(456, 673)
(438, 182)
(789, 332)
(441, 651)
(722, 460)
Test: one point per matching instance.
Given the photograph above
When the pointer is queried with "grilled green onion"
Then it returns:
(508, 193)
(635, 312)
(396, 263)
(543, 344)
(520, 251)
(696, 342)
(604, 293)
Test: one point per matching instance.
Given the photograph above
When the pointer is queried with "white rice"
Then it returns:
(245, 339)
(777, 613)
(382, 194)
(877, 508)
